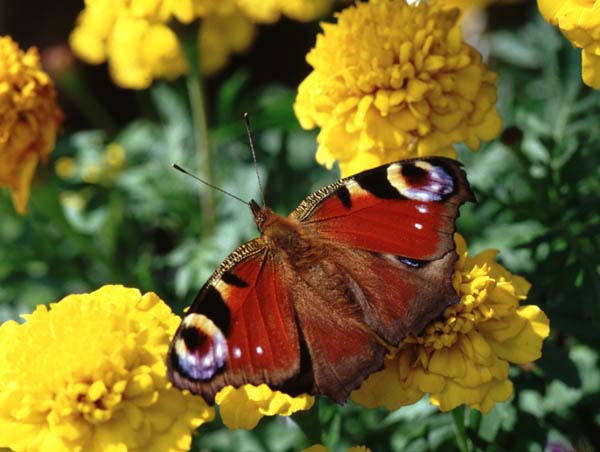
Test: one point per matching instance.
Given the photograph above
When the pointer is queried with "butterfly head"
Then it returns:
(260, 214)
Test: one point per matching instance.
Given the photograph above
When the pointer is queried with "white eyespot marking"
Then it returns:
(422, 208)
(201, 347)
(259, 350)
(237, 353)
(395, 178)
(424, 165)
(418, 226)
(421, 181)
(355, 189)
(222, 288)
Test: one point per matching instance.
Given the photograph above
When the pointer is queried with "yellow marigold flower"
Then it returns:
(88, 374)
(228, 27)
(205, 8)
(115, 155)
(464, 5)
(140, 51)
(29, 118)
(92, 173)
(243, 407)
(269, 11)
(222, 36)
(133, 37)
(321, 448)
(72, 200)
(65, 167)
(579, 21)
(392, 80)
(464, 357)
(263, 11)
(306, 10)
(315, 448)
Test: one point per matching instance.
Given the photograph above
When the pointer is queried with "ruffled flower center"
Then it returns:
(475, 286)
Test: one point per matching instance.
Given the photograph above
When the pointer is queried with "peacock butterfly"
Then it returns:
(312, 305)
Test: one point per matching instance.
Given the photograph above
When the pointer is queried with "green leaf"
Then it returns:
(557, 364)
(586, 360)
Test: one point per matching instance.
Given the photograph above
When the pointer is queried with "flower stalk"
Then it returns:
(73, 84)
(458, 419)
(199, 123)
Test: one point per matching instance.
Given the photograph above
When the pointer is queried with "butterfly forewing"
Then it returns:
(406, 208)
(251, 306)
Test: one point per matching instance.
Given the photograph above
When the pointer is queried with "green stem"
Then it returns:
(458, 416)
(197, 105)
(310, 424)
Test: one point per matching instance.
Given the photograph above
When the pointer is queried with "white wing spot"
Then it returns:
(259, 350)
(237, 353)
(418, 226)
(422, 208)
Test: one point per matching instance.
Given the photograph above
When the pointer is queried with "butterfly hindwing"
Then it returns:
(396, 296)
(340, 346)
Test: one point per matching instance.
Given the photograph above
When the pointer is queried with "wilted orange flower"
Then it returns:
(29, 118)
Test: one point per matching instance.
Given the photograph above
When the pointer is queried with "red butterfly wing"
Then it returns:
(338, 348)
(397, 298)
(240, 329)
(389, 233)
(406, 208)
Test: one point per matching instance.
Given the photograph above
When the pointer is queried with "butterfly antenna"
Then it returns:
(251, 140)
(179, 168)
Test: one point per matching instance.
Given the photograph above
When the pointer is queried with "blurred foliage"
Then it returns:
(141, 225)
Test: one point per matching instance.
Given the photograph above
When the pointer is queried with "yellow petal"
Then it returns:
(527, 345)
(315, 448)
(590, 68)
(385, 389)
(237, 411)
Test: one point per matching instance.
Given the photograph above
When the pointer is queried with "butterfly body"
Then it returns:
(312, 304)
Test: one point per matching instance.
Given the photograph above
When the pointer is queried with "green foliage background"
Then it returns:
(538, 190)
